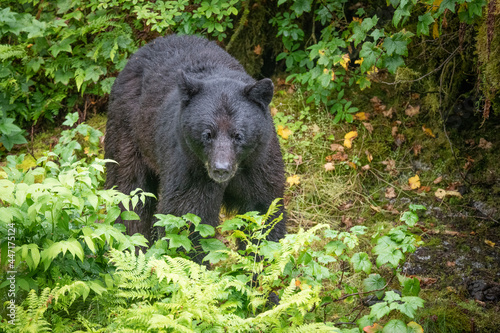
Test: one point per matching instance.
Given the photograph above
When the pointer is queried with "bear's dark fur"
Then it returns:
(188, 124)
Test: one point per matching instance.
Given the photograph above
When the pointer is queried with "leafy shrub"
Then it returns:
(352, 50)
(63, 221)
(52, 52)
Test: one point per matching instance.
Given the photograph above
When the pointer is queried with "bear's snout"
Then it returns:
(222, 171)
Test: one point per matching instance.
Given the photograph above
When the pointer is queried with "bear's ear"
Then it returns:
(261, 91)
(188, 86)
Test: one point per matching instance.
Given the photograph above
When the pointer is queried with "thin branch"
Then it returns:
(426, 75)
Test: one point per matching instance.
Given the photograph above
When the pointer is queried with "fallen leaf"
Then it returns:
(490, 243)
(414, 182)
(368, 127)
(484, 144)
(412, 110)
(424, 189)
(375, 100)
(346, 205)
(274, 111)
(347, 221)
(428, 131)
(339, 156)
(284, 131)
(293, 180)
(369, 156)
(469, 163)
(415, 96)
(435, 30)
(315, 128)
(451, 289)
(399, 139)
(470, 142)
(352, 165)
(329, 166)
(416, 149)
(390, 208)
(388, 113)
(257, 50)
(438, 180)
(440, 193)
(394, 131)
(360, 116)
(453, 233)
(336, 146)
(349, 137)
(365, 167)
(298, 160)
(375, 208)
(390, 166)
(390, 193)
(450, 263)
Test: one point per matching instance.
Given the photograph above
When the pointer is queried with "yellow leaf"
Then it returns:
(359, 61)
(435, 30)
(325, 71)
(428, 131)
(373, 70)
(490, 243)
(369, 156)
(414, 182)
(293, 180)
(440, 193)
(357, 19)
(321, 52)
(349, 137)
(360, 116)
(344, 62)
(351, 164)
(284, 131)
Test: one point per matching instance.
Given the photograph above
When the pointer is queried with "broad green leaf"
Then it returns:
(361, 262)
(129, 215)
(395, 326)
(379, 310)
(212, 244)
(61, 46)
(205, 230)
(423, 24)
(192, 218)
(411, 287)
(374, 282)
(415, 207)
(233, 224)
(410, 218)
(177, 241)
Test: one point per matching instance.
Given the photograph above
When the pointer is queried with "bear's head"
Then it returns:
(225, 121)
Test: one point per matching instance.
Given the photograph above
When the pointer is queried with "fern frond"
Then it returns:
(12, 51)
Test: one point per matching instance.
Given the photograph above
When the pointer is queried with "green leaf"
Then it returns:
(61, 46)
(212, 244)
(129, 215)
(301, 6)
(93, 73)
(177, 241)
(361, 262)
(410, 218)
(169, 222)
(214, 257)
(205, 230)
(415, 207)
(395, 326)
(269, 249)
(192, 218)
(374, 282)
(233, 224)
(379, 310)
(423, 24)
(392, 63)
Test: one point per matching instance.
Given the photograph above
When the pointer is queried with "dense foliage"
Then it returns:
(61, 56)
(64, 228)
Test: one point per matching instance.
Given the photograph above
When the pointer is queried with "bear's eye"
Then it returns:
(206, 136)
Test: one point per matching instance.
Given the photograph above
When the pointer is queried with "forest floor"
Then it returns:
(373, 182)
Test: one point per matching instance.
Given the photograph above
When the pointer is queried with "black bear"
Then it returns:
(188, 124)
